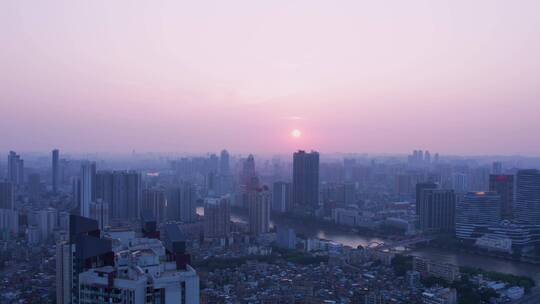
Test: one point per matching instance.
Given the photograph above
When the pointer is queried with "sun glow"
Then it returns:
(296, 133)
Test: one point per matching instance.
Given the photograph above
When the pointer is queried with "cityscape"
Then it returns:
(273, 152)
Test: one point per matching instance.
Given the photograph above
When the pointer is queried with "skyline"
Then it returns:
(451, 77)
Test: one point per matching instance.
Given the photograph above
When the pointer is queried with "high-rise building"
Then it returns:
(46, 221)
(420, 187)
(99, 211)
(84, 250)
(182, 203)
(6, 195)
(527, 205)
(217, 217)
(475, 213)
(248, 177)
(460, 182)
(122, 191)
(436, 210)
(259, 211)
(153, 200)
(15, 169)
(306, 179)
(9, 221)
(504, 186)
(496, 168)
(281, 197)
(87, 191)
(34, 185)
(55, 170)
(224, 163)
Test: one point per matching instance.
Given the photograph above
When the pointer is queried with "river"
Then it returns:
(353, 240)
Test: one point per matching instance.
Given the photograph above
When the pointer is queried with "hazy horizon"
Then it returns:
(454, 77)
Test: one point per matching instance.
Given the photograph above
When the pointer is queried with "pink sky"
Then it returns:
(455, 76)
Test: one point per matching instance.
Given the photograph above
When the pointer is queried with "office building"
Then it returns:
(6, 195)
(504, 186)
(86, 187)
(182, 203)
(15, 169)
(217, 217)
(306, 179)
(259, 211)
(527, 204)
(420, 187)
(281, 197)
(475, 213)
(55, 170)
(122, 191)
(436, 210)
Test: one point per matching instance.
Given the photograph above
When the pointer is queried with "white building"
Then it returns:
(140, 274)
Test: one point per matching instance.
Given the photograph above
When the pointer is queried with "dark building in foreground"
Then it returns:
(84, 250)
(306, 179)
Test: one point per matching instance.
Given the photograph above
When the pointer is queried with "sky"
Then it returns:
(456, 77)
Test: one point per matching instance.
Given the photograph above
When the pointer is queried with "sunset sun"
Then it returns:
(296, 133)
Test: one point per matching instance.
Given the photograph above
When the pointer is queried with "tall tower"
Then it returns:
(15, 169)
(182, 203)
(55, 170)
(224, 163)
(217, 217)
(436, 210)
(504, 186)
(527, 205)
(306, 179)
(259, 211)
(6, 195)
(87, 191)
(122, 191)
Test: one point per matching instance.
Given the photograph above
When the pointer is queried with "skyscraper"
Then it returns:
(121, 190)
(436, 210)
(475, 213)
(87, 187)
(217, 217)
(182, 203)
(259, 211)
(306, 179)
(15, 169)
(281, 196)
(99, 211)
(527, 205)
(154, 200)
(84, 250)
(504, 186)
(496, 168)
(55, 170)
(420, 187)
(224, 163)
(6, 195)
